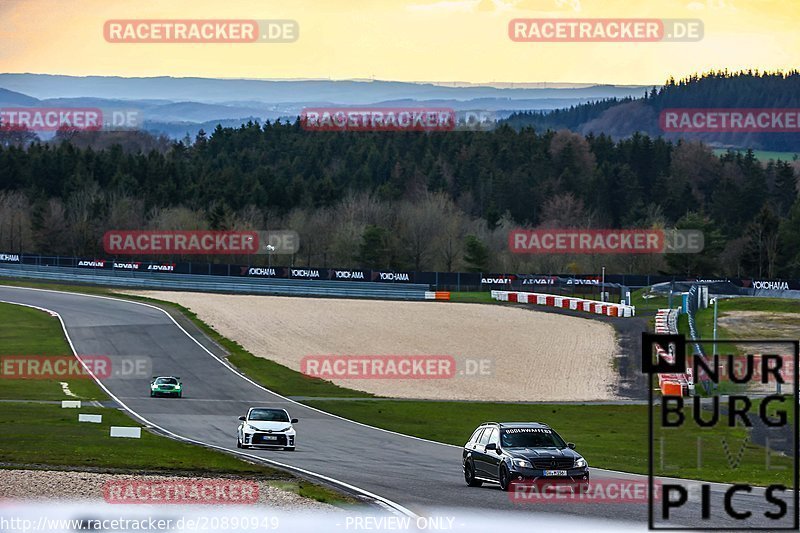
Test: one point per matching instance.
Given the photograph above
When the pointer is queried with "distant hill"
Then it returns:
(622, 117)
(15, 99)
(177, 106)
(345, 92)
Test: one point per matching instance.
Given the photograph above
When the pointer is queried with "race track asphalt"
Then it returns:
(416, 474)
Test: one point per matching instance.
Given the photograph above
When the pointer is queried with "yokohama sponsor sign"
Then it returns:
(401, 277)
(305, 273)
(264, 272)
(348, 275)
(9, 258)
(770, 284)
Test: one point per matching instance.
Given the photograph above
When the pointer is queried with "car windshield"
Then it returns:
(531, 438)
(269, 415)
(166, 381)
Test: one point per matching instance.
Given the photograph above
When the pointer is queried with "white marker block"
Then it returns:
(70, 404)
(95, 419)
(129, 433)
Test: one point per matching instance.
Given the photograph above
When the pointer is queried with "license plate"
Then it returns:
(555, 472)
(269, 437)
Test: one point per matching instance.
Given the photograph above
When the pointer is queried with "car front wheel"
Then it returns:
(469, 475)
(505, 478)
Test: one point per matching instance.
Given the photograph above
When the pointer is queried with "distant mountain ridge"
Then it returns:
(221, 91)
(180, 106)
(15, 99)
(622, 117)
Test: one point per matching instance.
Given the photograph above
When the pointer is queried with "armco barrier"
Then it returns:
(666, 322)
(197, 282)
(564, 302)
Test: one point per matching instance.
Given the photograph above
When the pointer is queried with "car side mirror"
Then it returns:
(491, 446)
(294, 421)
(571, 445)
(242, 418)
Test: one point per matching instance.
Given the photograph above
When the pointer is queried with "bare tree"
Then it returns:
(15, 222)
(83, 208)
(52, 233)
(565, 211)
(418, 224)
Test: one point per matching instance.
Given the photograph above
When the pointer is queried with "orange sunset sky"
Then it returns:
(404, 40)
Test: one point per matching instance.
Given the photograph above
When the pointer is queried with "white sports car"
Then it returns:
(266, 427)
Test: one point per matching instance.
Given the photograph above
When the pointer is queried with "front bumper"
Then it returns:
(574, 476)
(269, 440)
(165, 392)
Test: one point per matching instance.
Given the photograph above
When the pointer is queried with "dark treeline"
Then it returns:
(440, 201)
(723, 89)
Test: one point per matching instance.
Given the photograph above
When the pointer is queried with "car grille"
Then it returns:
(261, 438)
(553, 463)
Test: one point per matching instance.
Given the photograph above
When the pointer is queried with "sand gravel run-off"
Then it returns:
(66, 486)
(533, 356)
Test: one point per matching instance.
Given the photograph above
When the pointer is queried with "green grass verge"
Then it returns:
(609, 436)
(472, 297)
(704, 318)
(653, 303)
(27, 332)
(69, 443)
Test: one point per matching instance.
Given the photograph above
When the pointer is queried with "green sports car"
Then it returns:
(166, 386)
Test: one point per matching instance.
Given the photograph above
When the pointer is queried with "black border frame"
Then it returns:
(650, 477)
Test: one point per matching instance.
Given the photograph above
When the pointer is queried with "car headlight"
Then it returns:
(178, 386)
(522, 463)
(580, 463)
(153, 386)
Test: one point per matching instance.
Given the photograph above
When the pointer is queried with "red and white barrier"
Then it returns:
(566, 302)
(671, 384)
